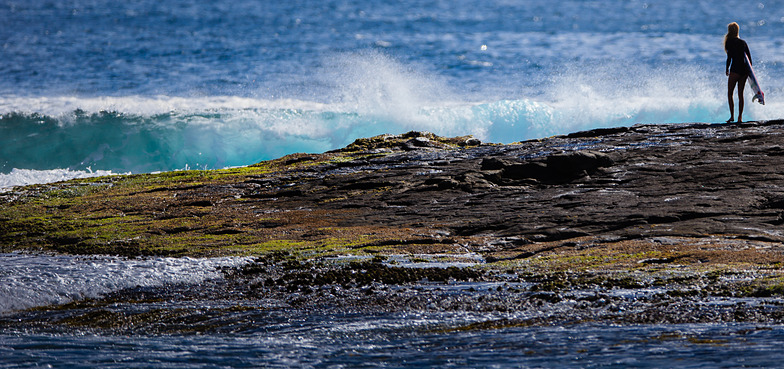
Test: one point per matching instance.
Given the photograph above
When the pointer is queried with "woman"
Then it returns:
(737, 70)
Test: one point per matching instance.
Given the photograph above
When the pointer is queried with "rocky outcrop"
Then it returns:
(647, 181)
(717, 184)
(681, 214)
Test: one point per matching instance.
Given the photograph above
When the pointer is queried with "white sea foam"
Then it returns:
(64, 106)
(372, 90)
(371, 94)
(37, 280)
(23, 177)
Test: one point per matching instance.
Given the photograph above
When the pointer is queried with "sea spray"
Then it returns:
(371, 94)
(21, 177)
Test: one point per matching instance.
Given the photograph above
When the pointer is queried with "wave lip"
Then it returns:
(62, 107)
(84, 143)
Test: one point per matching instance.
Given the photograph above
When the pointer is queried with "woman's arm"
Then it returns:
(727, 68)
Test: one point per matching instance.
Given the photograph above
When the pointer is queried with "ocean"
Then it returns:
(100, 87)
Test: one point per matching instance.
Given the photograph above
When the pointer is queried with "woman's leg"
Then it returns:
(741, 87)
(731, 82)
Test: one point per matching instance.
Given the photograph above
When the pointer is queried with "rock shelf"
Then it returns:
(693, 210)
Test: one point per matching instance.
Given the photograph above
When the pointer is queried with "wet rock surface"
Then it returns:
(691, 181)
(645, 224)
(282, 287)
(643, 182)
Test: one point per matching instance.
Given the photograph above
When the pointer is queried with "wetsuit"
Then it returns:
(736, 48)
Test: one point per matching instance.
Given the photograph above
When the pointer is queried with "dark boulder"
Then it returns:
(577, 164)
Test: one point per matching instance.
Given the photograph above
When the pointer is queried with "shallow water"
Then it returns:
(295, 339)
(180, 323)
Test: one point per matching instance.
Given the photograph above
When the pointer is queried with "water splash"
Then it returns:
(22, 177)
(371, 94)
(36, 280)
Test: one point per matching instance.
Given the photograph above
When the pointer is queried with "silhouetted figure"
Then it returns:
(736, 69)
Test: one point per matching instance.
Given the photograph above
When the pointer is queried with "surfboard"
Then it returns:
(758, 94)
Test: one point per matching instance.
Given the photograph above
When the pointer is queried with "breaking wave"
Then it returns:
(372, 95)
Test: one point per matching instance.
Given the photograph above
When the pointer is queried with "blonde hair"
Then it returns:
(733, 29)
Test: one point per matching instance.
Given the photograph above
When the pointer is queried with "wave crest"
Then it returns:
(218, 137)
(371, 94)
